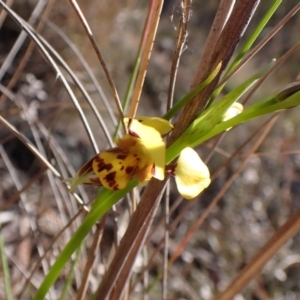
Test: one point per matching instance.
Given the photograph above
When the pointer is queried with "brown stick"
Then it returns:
(225, 46)
(141, 219)
(286, 231)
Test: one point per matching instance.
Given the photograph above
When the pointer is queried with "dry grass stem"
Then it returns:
(261, 44)
(107, 107)
(278, 63)
(101, 59)
(81, 294)
(155, 10)
(221, 53)
(18, 44)
(179, 48)
(30, 275)
(133, 238)
(285, 232)
(27, 54)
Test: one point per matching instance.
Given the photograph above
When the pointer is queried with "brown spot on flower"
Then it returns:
(129, 169)
(122, 168)
(102, 166)
(122, 156)
(110, 179)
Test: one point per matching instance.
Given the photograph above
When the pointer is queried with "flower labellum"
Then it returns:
(191, 174)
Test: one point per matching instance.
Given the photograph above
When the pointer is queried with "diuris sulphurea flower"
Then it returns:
(139, 154)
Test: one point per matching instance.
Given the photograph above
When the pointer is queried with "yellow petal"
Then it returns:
(145, 173)
(135, 146)
(152, 141)
(115, 168)
(191, 174)
(126, 142)
(161, 125)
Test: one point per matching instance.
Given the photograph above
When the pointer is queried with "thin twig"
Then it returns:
(179, 48)
(285, 232)
(166, 242)
(3, 13)
(25, 203)
(100, 57)
(156, 6)
(222, 15)
(59, 74)
(82, 89)
(27, 54)
(81, 293)
(33, 149)
(278, 63)
(53, 241)
(262, 43)
(131, 243)
(87, 68)
(19, 42)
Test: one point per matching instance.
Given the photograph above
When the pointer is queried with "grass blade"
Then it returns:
(5, 269)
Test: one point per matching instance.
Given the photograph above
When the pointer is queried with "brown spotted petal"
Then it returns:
(115, 168)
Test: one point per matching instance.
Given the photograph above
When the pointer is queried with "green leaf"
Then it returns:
(264, 107)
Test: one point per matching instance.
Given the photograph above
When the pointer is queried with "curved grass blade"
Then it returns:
(265, 107)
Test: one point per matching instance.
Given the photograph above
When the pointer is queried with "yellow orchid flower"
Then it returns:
(139, 154)
(191, 174)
